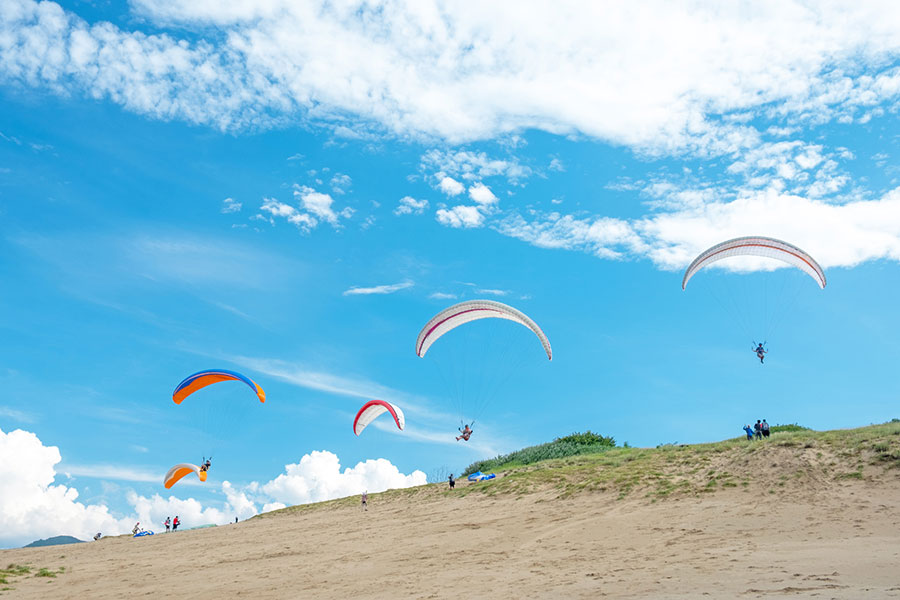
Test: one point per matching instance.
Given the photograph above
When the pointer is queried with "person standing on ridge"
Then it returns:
(365, 500)
(749, 432)
(452, 481)
(175, 523)
(765, 428)
(758, 429)
(168, 523)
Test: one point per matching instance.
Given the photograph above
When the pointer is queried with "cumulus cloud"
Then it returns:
(450, 186)
(378, 289)
(32, 507)
(460, 216)
(688, 77)
(410, 206)
(482, 195)
(318, 477)
(312, 208)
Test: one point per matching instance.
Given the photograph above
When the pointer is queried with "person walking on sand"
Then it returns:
(168, 523)
(749, 432)
(765, 428)
(175, 523)
(365, 500)
(452, 481)
(758, 429)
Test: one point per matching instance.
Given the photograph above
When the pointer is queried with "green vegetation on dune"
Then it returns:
(570, 445)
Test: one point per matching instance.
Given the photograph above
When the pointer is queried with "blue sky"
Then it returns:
(293, 192)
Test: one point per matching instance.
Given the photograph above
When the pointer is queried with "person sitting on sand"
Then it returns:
(760, 352)
(205, 464)
(466, 433)
(749, 432)
(98, 536)
(137, 527)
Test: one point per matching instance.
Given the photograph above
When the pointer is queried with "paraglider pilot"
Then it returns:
(206, 464)
(466, 433)
(760, 352)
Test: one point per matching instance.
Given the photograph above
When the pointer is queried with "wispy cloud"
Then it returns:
(230, 205)
(16, 415)
(491, 292)
(442, 296)
(378, 289)
(116, 472)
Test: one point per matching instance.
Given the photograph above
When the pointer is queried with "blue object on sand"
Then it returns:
(143, 533)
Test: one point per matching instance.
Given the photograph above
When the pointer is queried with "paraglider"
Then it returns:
(373, 409)
(473, 310)
(176, 473)
(202, 379)
(465, 433)
(758, 310)
(757, 246)
(478, 362)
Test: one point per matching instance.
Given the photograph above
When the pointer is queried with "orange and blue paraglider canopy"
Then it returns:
(204, 378)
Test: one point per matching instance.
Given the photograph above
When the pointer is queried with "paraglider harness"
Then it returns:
(760, 350)
(466, 432)
(206, 464)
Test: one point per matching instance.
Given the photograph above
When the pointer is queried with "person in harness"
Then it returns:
(760, 352)
(206, 464)
(465, 433)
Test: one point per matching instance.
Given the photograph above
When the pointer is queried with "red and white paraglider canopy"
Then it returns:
(372, 409)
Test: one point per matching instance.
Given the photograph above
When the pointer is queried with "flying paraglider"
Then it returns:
(204, 378)
(475, 370)
(373, 409)
(177, 472)
(765, 247)
(473, 310)
(757, 246)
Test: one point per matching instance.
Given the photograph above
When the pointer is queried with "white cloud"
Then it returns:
(15, 415)
(442, 296)
(312, 208)
(450, 186)
(230, 205)
(471, 166)
(116, 472)
(482, 195)
(838, 235)
(461, 216)
(410, 206)
(318, 477)
(341, 183)
(378, 289)
(686, 77)
(32, 507)
(491, 292)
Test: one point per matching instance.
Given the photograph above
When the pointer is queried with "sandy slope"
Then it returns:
(820, 517)
(837, 539)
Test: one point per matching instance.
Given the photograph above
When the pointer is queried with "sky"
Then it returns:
(292, 190)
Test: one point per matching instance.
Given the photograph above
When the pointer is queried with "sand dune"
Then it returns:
(783, 535)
